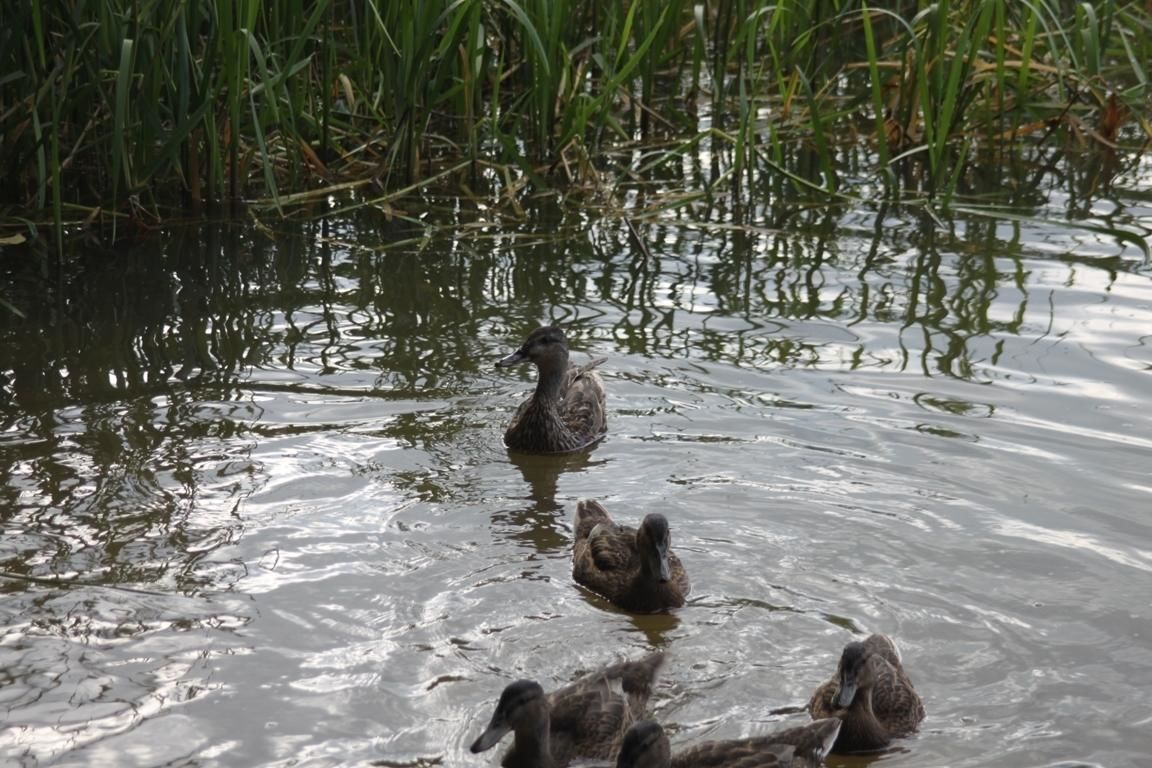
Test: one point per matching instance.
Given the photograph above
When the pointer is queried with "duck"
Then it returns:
(586, 719)
(805, 746)
(872, 694)
(633, 567)
(567, 411)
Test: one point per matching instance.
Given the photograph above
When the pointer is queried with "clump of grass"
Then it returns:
(111, 105)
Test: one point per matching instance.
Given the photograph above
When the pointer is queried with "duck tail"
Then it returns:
(637, 677)
(826, 731)
(589, 514)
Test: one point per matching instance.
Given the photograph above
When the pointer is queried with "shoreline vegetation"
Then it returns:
(135, 111)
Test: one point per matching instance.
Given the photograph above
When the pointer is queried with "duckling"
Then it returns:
(872, 694)
(567, 410)
(646, 746)
(634, 568)
(585, 719)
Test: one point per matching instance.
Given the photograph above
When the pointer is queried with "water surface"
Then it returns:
(257, 511)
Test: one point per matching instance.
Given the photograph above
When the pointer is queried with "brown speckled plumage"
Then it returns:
(587, 719)
(872, 694)
(633, 568)
(646, 746)
(567, 411)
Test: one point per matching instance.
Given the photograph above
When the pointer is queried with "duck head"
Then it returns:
(522, 706)
(857, 672)
(645, 746)
(545, 347)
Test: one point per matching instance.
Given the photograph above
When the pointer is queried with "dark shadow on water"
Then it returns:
(858, 761)
(542, 472)
(656, 628)
(542, 521)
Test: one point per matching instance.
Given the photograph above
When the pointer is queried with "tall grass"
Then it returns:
(108, 107)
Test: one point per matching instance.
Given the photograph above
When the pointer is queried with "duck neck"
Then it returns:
(647, 572)
(649, 565)
(861, 731)
(549, 383)
(534, 746)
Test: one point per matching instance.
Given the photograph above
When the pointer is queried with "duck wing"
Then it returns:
(614, 549)
(802, 745)
(882, 645)
(743, 753)
(637, 678)
(894, 701)
(822, 704)
(811, 741)
(604, 551)
(679, 576)
(586, 723)
(584, 409)
(896, 704)
(590, 716)
(590, 514)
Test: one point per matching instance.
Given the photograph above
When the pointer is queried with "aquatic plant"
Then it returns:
(110, 105)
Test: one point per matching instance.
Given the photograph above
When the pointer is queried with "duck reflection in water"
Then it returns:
(542, 522)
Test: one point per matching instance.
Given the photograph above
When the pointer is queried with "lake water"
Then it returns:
(257, 512)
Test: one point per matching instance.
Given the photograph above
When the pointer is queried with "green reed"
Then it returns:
(112, 105)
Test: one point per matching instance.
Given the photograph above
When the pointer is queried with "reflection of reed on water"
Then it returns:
(120, 360)
(215, 305)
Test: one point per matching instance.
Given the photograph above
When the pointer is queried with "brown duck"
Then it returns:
(567, 411)
(646, 746)
(633, 567)
(872, 694)
(586, 719)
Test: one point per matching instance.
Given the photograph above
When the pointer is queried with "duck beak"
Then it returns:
(665, 567)
(516, 357)
(492, 734)
(847, 690)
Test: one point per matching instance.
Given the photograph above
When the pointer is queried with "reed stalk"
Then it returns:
(115, 104)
